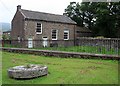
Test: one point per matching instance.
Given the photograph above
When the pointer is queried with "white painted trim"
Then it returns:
(45, 42)
(67, 31)
(44, 37)
(38, 33)
(18, 39)
(56, 34)
(41, 29)
(22, 13)
(30, 43)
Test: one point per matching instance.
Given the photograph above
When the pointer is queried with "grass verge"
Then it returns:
(63, 70)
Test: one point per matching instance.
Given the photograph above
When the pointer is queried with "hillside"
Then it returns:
(5, 26)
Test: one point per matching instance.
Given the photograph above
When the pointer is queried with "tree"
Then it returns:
(106, 23)
(116, 11)
(74, 13)
(82, 13)
(102, 18)
(6, 37)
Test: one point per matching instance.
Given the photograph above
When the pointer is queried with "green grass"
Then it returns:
(85, 49)
(81, 49)
(63, 70)
(11, 46)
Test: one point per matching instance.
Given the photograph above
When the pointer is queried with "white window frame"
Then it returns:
(37, 27)
(56, 34)
(67, 31)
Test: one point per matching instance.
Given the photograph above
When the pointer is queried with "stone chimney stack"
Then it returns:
(18, 7)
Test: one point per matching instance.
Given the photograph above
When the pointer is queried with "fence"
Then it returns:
(82, 45)
(100, 45)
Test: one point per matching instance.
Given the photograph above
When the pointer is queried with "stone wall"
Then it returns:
(61, 54)
(108, 43)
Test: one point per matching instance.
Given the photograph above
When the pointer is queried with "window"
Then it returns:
(54, 34)
(39, 28)
(66, 34)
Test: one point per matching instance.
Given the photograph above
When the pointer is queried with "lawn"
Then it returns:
(63, 70)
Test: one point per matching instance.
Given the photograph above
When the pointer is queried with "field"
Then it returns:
(63, 70)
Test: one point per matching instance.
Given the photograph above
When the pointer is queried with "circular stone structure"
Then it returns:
(28, 71)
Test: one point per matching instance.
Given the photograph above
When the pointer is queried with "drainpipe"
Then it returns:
(74, 34)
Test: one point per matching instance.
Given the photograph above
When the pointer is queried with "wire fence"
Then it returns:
(109, 46)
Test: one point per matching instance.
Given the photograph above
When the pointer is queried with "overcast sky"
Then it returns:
(8, 7)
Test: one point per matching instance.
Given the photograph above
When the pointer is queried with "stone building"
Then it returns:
(36, 29)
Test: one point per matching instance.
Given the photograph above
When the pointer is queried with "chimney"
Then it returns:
(18, 7)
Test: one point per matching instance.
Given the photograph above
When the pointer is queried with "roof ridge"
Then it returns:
(47, 16)
(44, 12)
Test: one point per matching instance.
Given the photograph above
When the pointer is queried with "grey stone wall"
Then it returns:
(17, 26)
(108, 43)
(47, 27)
(62, 54)
(27, 29)
(30, 31)
(25, 72)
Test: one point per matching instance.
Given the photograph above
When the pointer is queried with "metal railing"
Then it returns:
(109, 46)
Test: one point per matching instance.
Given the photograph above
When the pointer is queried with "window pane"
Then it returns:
(54, 34)
(39, 28)
(66, 34)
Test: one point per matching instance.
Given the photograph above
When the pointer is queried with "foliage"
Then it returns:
(107, 20)
(74, 13)
(6, 37)
(63, 70)
(103, 18)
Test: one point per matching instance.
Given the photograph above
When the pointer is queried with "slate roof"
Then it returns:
(46, 17)
(83, 29)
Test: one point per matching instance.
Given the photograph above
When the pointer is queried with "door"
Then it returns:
(30, 43)
(45, 41)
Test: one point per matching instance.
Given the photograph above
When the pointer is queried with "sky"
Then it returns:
(8, 7)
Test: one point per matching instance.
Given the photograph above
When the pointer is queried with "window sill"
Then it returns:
(38, 33)
(54, 39)
(66, 39)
